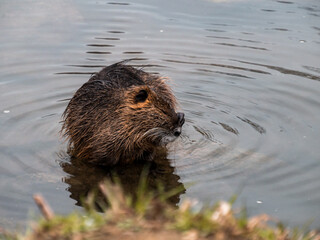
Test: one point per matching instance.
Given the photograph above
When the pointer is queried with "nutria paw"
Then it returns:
(121, 114)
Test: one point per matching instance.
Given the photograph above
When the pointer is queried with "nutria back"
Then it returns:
(120, 115)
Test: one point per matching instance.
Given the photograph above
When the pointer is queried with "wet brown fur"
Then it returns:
(105, 123)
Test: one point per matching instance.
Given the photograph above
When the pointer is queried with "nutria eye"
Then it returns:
(141, 96)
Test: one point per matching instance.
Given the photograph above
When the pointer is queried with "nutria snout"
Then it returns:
(120, 115)
(177, 130)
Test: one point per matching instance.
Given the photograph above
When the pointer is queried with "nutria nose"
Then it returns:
(177, 131)
(180, 122)
(180, 119)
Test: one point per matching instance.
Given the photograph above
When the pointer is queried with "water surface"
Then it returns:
(246, 74)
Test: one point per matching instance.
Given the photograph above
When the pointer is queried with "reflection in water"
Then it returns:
(84, 178)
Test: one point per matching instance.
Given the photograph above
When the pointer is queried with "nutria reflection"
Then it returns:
(84, 178)
(120, 115)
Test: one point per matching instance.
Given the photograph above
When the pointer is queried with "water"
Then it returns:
(246, 74)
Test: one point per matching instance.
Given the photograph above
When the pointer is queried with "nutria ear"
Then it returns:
(141, 96)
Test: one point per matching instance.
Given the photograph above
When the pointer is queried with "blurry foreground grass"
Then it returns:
(149, 216)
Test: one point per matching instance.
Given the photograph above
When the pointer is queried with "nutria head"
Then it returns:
(121, 114)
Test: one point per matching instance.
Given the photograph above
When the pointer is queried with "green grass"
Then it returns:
(147, 208)
(74, 222)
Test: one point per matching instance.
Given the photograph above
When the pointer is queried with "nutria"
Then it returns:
(120, 115)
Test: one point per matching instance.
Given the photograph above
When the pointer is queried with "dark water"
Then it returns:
(246, 74)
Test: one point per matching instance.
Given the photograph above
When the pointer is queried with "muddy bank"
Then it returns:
(150, 216)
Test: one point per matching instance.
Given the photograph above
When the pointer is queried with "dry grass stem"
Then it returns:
(43, 207)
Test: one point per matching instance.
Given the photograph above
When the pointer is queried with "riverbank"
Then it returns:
(149, 216)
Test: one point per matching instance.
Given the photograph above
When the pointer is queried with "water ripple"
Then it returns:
(285, 70)
(242, 46)
(256, 126)
(218, 65)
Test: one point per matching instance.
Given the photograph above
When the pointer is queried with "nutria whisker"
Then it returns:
(156, 135)
(155, 132)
